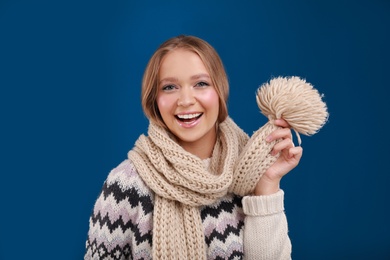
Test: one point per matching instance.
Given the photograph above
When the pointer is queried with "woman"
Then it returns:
(172, 198)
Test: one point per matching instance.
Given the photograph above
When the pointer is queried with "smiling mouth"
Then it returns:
(188, 118)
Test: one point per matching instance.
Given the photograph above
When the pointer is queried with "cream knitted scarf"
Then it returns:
(181, 182)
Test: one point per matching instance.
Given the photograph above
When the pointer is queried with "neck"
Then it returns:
(202, 148)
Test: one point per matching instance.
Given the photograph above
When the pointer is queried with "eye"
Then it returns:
(202, 84)
(168, 87)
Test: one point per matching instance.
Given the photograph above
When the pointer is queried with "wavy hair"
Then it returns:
(211, 61)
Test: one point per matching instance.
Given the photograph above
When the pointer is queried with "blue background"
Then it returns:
(70, 74)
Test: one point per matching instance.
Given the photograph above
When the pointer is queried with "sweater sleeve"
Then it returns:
(121, 221)
(266, 232)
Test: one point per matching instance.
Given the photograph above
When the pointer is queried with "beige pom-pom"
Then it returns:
(294, 100)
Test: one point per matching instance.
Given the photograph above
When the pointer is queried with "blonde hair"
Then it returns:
(210, 59)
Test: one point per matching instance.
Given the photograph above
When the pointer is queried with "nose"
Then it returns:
(186, 97)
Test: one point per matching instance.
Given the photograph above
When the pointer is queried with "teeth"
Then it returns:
(188, 116)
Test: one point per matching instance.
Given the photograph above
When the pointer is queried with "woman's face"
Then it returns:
(188, 102)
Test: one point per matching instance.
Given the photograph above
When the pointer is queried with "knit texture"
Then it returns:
(182, 184)
(121, 224)
(263, 228)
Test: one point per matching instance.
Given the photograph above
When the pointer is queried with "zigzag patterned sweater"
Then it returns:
(121, 223)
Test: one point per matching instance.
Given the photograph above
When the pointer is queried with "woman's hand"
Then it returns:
(289, 158)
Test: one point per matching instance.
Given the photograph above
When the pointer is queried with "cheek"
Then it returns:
(211, 99)
(164, 103)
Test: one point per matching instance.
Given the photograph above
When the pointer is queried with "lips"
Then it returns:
(188, 119)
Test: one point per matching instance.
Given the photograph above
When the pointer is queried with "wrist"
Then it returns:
(266, 187)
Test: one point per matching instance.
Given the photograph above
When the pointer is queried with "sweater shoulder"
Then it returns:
(121, 222)
(126, 177)
(124, 183)
(124, 191)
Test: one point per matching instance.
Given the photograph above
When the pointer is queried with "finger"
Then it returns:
(285, 144)
(295, 152)
(280, 133)
(281, 122)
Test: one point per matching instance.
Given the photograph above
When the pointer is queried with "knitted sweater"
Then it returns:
(121, 224)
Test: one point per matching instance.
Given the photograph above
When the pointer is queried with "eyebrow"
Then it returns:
(202, 75)
(194, 77)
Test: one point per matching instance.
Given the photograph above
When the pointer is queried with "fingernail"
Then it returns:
(268, 139)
